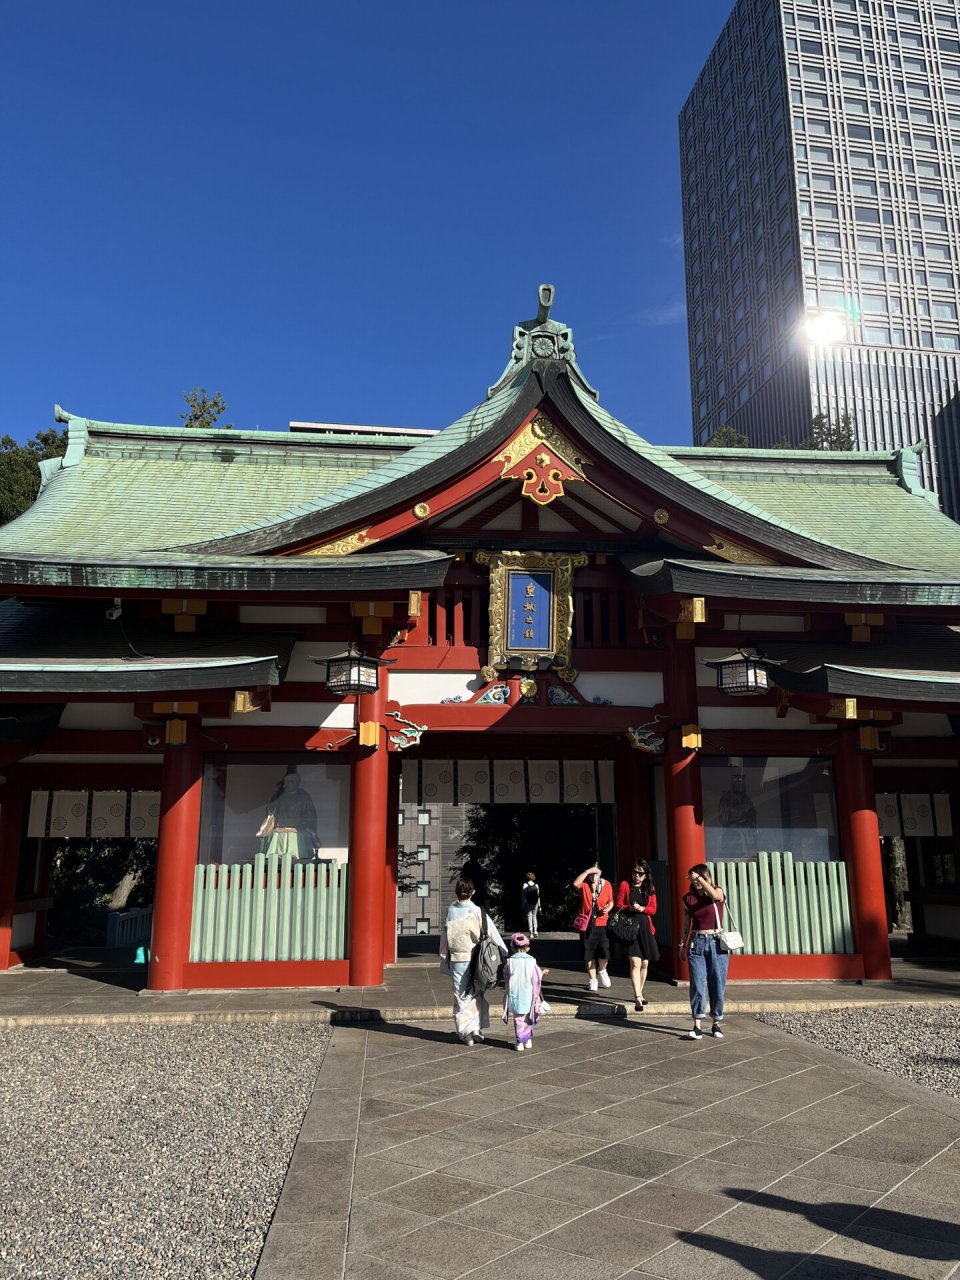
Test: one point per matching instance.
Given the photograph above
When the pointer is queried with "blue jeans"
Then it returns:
(708, 975)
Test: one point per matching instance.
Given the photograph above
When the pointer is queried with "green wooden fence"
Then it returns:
(782, 907)
(273, 908)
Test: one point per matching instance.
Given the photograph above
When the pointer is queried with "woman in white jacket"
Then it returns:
(471, 1014)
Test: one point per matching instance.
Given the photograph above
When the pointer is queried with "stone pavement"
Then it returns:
(80, 986)
(614, 1148)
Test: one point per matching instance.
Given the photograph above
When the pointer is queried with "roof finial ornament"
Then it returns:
(541, 339)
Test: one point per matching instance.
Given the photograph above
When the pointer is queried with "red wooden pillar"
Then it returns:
(368, 845)
(857, 802)
(390, 869)
(682, 789)
(177, 846)
(11, 839)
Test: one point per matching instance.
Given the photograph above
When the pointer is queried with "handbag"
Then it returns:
(730, 939)
(583, 920)
(624, 926)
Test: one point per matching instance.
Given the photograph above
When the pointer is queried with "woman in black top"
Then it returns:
(638, 897)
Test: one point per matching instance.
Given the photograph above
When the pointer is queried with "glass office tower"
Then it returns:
(820, 152)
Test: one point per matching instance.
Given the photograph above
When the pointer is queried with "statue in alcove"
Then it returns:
(290, 825)
(738, 818)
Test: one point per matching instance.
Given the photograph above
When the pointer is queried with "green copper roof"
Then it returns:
(123, 489)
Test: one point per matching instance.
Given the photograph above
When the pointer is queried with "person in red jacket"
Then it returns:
(596, 900)
(637, 896)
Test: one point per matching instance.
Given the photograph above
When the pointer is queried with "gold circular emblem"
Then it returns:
(542, 429)
(661, 515)
(421, 511)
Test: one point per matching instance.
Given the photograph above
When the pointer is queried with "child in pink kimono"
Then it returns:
(521, 991)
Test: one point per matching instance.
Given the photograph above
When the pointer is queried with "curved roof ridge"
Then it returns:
(462, 430)
(659, 456)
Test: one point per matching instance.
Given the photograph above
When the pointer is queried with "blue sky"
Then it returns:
(337, 212)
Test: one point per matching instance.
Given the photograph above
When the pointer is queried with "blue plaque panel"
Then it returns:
(530, 612)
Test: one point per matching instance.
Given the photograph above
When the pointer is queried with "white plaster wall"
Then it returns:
(623, 688)
(301, 668)
(706, 675)
(407, 687)
(294, 613)
(764, 622)
(325, 715)
(918, 724)
(149, 757)
(756, 718)
(99, 715)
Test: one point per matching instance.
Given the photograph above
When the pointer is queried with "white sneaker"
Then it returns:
(604, 978)
(592, 984)
(519, 1048)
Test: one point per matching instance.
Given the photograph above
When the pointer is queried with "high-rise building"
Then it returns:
(820, 152)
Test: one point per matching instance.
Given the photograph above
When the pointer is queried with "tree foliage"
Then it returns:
(20, 469)
(832, 437)
(556, 842)
(726, 437)
(204, 410)
(88, 879)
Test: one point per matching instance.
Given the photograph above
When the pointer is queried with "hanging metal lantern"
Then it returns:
(741, 675)
(353, 672)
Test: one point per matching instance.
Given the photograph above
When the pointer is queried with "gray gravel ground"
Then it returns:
(141, 1151)
(919, 1042)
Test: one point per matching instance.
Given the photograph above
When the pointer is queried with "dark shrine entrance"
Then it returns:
(554, 841)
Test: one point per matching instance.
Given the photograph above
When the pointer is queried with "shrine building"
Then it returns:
(272, 650)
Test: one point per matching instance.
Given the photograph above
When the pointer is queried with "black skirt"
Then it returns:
(645, 947)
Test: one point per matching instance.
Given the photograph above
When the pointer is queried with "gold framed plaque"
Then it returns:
(531, 611)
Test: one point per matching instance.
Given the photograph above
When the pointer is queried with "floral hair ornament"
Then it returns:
(520, 940)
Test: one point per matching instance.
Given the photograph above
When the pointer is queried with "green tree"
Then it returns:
(20, 470)
(831, 437)
(726, 437)
(204, 410)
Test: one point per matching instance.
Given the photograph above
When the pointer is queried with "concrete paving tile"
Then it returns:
(622, 1242)
(910, 1136)
(757, 1223)
(875, 1175)
(322, 1124)
(670, 1206)
(380, 1109)
(827, 1200)
(516, 1214)
(717, 1178)
(317, 1183)
(372, 1174)
(705, 1257)
(585, 1188)
(433, 1151)
(435, 1194)
(361, 1266)
(533, 1262)
(612, 1126)
(423, 1121)
(763, 1155)
(923, 1259)
(446, 1249)
(932, 1183)
(500, 1168)
(735, 1121)
(906, 1216)
(491, 1133)
(550, 1144)
(373, 1221)
(817, 1267)
(681, 1142)
(303, 1252)
(630, 1160)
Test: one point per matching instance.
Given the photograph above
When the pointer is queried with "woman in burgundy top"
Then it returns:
(702, 951)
